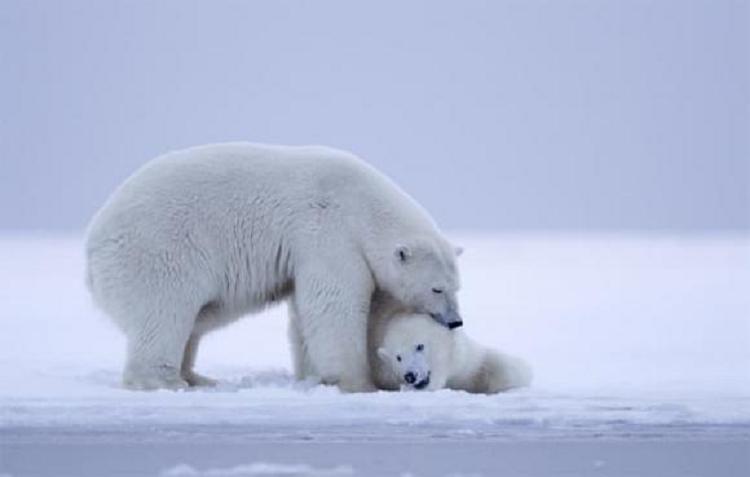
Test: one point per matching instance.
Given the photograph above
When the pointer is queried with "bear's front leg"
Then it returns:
(332, 312)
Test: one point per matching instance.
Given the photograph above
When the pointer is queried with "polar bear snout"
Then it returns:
(414, 380)
(423, 383)
(450, 319)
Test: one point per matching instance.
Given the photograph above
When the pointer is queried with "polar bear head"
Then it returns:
(422, 275)
(417, 352)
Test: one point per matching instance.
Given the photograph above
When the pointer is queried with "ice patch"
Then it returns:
(256, 469)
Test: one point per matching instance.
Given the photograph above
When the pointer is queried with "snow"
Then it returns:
(184, 470)
(632, 338)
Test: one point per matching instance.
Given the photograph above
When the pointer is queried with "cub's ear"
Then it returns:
(383, 354)
(402, 253)
(459, 250)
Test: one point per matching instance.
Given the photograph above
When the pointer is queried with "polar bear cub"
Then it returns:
(414, 352)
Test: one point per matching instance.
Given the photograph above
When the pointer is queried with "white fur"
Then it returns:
(449, 359)
(197, 238)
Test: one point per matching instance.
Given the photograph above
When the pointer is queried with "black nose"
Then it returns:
(410, 377)
(423, 384)
(455, 324)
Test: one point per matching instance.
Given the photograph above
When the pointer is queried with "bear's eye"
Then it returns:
(420, 347)
(438, 290)
(398, 358)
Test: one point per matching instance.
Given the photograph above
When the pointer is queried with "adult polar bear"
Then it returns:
(197, 238)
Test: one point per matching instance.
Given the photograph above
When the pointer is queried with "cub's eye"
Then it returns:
(398, 358)
(438, 290)
(420, 347)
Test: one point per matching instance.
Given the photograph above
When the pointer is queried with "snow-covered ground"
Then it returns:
(633, 340)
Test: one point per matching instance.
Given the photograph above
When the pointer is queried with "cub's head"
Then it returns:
(422, 275)
(416, 351)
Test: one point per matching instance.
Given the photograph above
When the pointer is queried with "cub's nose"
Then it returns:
(423, 383)
(410, 377)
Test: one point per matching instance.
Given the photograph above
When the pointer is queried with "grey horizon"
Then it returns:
(495, 116)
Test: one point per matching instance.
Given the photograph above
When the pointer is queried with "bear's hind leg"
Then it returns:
(155, 352)
(188, 362)
(211, 316)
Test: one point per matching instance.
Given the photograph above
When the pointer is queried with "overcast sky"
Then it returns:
(494, 115)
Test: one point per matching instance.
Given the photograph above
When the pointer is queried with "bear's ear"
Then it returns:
(402, 253)
(459, 250)
(383, 354)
